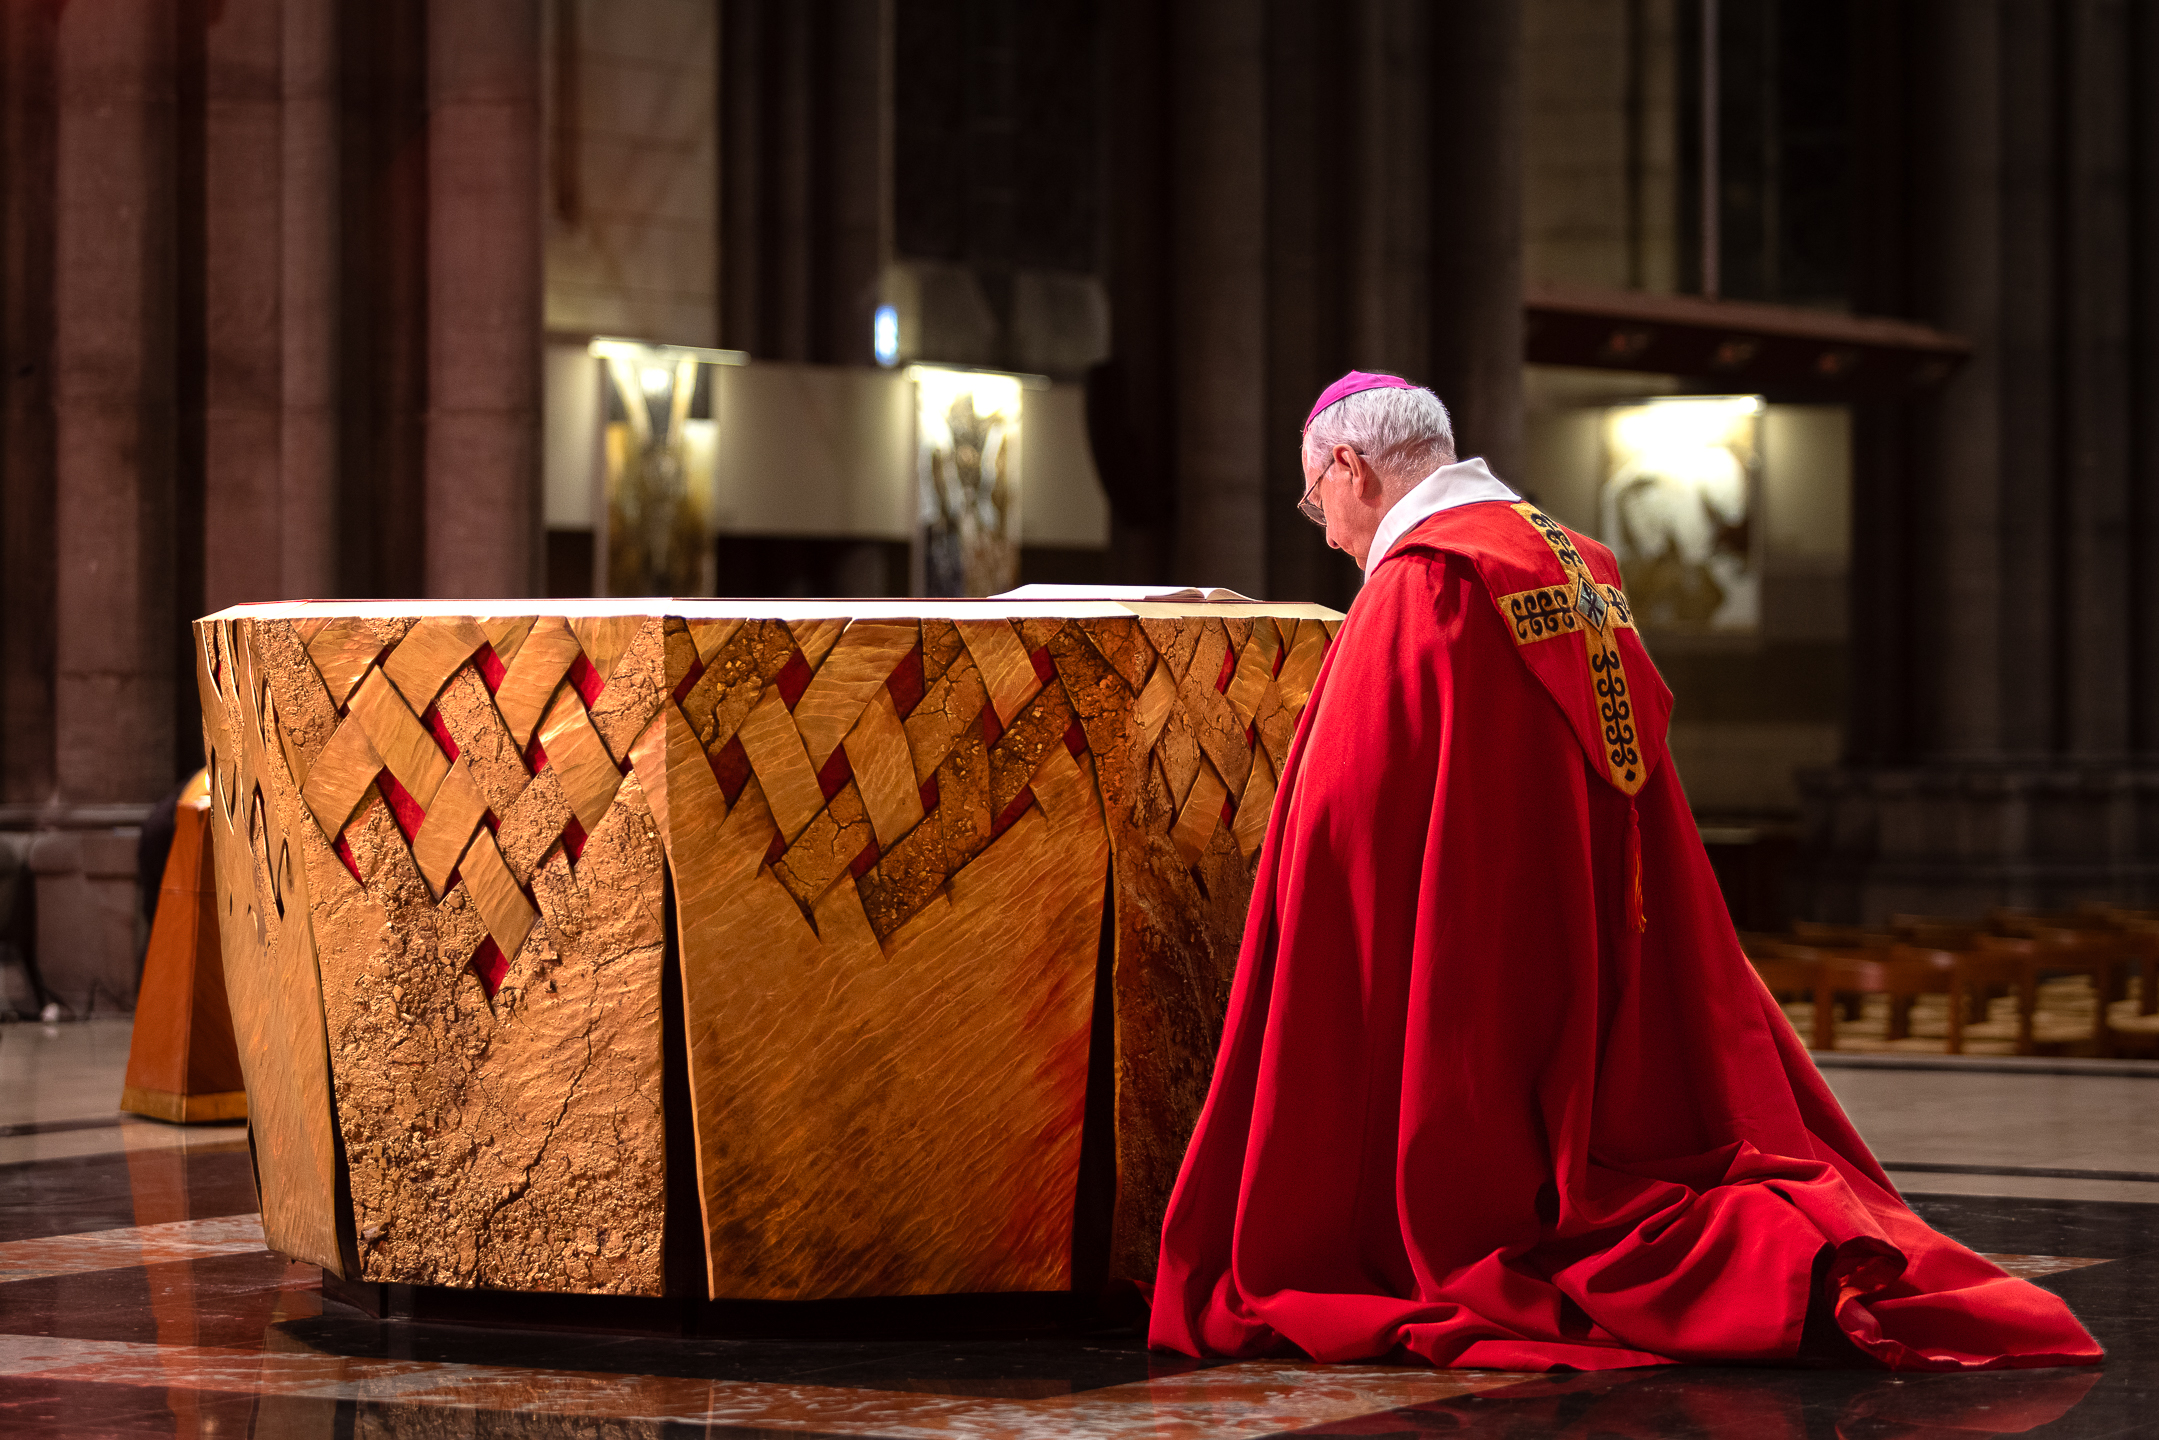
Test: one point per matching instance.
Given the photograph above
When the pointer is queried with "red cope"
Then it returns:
(1466, 1109)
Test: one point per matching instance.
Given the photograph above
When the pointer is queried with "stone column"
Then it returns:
(113, 323)
(1318, 234)
(1131, 415)
(1217, 234)
(483, 517)
(806, 91)
(27, 497)
(2142, 51)
(1473, 184)
(2098, 276)
(1388, 161)
(310, 239)
(859, 193)
(242, 258)
(2000, 754)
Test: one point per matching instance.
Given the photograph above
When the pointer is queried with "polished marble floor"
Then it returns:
(136, 1299)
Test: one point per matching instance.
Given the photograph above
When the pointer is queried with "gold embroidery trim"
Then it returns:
(1549, 613)
(1554, 610)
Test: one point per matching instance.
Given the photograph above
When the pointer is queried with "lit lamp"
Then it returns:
(1677, 506)
(885, 335)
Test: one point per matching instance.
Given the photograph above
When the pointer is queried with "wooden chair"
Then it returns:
(1839, 937)
(1782, 976)
(2062, 952)
(1968, 978)
(2140, 944)
(1823, 940)
(1935, 932)
(1902, 977)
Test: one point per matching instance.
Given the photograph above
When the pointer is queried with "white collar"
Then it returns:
(1463, 482)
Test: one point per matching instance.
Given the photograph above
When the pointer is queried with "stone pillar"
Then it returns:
(242, 259)
(857, 212)
(2142, 52)
(1473, 185)
(1350, 241)
(2000, 754)
(2098, 275)
(27, 497)
(1295, 190)
(113, 323)
(806, 116)
(1217, 233)
(1131, 414)
(483, 514)
(310, 240)
(1388, 161)
(1318, 318)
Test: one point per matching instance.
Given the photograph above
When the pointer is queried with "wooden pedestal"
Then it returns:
(744, 951)
(181, 1063)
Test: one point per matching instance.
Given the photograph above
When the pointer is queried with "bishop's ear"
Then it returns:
(1369, 486)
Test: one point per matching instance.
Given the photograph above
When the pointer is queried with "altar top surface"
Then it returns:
(938, 608)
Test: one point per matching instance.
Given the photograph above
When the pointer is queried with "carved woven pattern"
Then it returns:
(487, 743)
(934, 798)
(463, 809)
(883, 752)
(882, 756)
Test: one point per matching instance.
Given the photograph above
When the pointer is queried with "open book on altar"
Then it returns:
(1159, 594)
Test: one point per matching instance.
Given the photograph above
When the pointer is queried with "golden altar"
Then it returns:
(742, 950)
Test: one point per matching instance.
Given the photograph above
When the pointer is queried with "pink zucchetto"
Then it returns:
(1356, 382)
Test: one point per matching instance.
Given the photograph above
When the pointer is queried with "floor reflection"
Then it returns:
(136, 1300)
(1756, 1404)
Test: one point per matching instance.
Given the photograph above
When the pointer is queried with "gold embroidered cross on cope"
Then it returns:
(1597, 612)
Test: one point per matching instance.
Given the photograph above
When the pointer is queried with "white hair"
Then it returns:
(1404, 434)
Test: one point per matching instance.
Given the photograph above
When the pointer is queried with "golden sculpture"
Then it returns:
(446, 846)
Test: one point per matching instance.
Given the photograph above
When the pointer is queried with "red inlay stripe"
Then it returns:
(1012, 813)
(836, 774)
(1045, 669)
(731, 767)
(1075, 739)
(574, 838)
(489, 963)
(905, 683)
(344, 853)
(776, 849)
(689, 681)
(586, 680)
(535, 755)
(794, 678)
(862, 863)
(492, 669)
(1281, 653)
(1229, 812)
(929, 793)
(1229, 668)
(1251, 735)
(402, 805)
(992, 728)
(433, 721)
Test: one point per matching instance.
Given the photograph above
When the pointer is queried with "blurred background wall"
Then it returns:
(322, 298)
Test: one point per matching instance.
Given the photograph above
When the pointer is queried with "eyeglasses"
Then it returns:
(1311, 509)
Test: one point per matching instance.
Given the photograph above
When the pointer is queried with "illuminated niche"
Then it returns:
(658, 444)
(967, 466)
(1677, 506)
